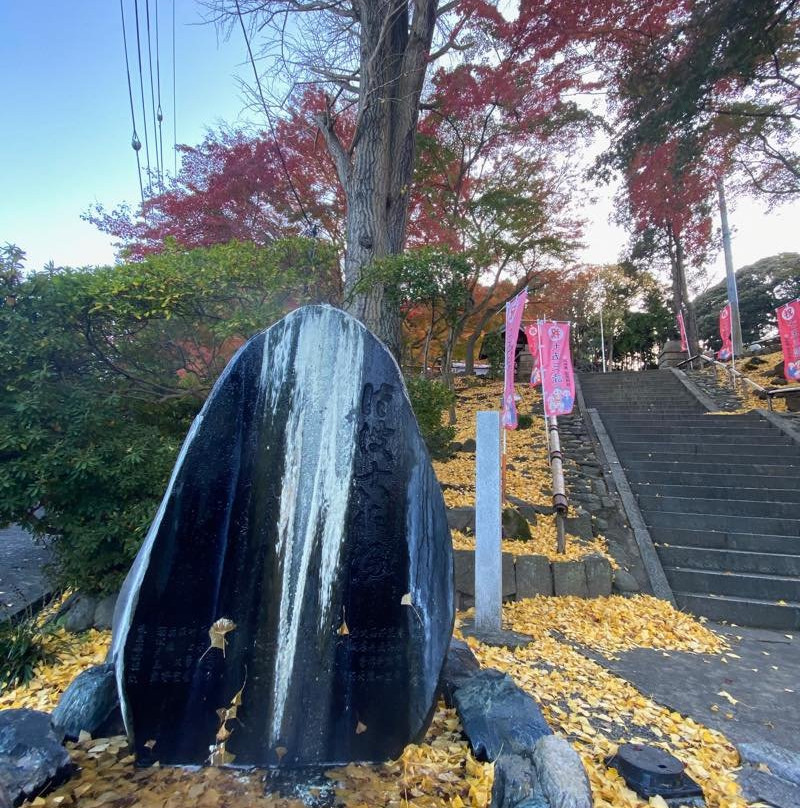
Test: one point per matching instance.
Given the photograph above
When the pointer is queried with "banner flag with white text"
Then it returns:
(789, 329)
(726, 351)
(558, 381)
(532, 333)
(682, 329)
(514, 311)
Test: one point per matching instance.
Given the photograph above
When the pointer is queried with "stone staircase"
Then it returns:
(720, 495)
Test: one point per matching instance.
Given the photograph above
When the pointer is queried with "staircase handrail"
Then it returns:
(735, 373)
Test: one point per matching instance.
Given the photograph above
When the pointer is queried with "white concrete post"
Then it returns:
(488, 524)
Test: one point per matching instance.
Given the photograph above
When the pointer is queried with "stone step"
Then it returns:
(717, 492)
(651, 411)
(650, 503)
(725, 421)
(720, 560)
(729, 446)
(641, 398)
(741, 611)
(657, 428)
(787, 464)
(661, 437)
(738, 585)
(679, 478)
(736, 524)
(725, 540)
(648, 465)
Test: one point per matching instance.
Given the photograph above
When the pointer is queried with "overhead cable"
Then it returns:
(152, 92)
(144, 108)
(136, 144)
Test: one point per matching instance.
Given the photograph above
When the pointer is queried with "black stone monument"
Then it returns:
(292, 603)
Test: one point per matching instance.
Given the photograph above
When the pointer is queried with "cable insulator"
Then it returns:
(159, 115)
(136, 144)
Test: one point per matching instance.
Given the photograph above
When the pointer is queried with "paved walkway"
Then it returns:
(22, 577)
(761, 672)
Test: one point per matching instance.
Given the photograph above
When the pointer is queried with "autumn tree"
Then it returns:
(723, 74)
(254, 187)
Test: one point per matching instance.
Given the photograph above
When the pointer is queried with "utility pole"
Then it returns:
(602, 339)
(730, 275)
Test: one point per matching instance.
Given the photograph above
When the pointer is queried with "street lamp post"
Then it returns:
(602, 339)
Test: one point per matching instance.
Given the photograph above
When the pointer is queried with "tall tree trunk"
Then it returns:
(472, 340)
(680, 291)
(376, 171)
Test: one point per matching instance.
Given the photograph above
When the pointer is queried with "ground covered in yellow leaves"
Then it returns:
(592, 707)
(761, 374)
(441, 771)
(527, 474)
(597, 710)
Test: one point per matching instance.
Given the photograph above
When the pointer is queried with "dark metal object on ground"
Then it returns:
(650, 771)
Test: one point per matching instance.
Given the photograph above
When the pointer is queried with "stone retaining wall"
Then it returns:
(525, 576)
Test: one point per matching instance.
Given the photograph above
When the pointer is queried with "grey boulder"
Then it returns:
(561, 774)
(32, 759)
(88, 704)
(497, 716)
(80, 615)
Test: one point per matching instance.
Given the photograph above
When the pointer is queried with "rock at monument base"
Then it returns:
(459, 667)
(515, 784)
(561, 774)
(292, 603)
(497, 716)
(80, 615)
(104, 612)
(32, 759)
(88, 704)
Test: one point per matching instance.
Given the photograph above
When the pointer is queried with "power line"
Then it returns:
(152, 91)
(141, 85)
(136, 144)
(159, 113)
(269, 120)
(174, 102)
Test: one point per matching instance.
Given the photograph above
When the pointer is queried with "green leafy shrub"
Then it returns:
(23, 645)
(101, 372)
(429, 399)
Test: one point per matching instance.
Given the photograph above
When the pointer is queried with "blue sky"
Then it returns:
(66, 129)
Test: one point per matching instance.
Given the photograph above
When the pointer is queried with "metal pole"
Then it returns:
(602, 339)
(559, 491)
(730, 275)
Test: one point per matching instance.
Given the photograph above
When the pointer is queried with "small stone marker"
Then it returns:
(488, 525)
(292, 603)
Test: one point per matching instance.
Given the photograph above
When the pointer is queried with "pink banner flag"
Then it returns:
(532, 333)
(789, 329)
(558, 382)
(682, 329)
(726, 351)
(514, 311)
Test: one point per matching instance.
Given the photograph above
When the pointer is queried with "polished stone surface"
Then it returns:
(292, 603)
